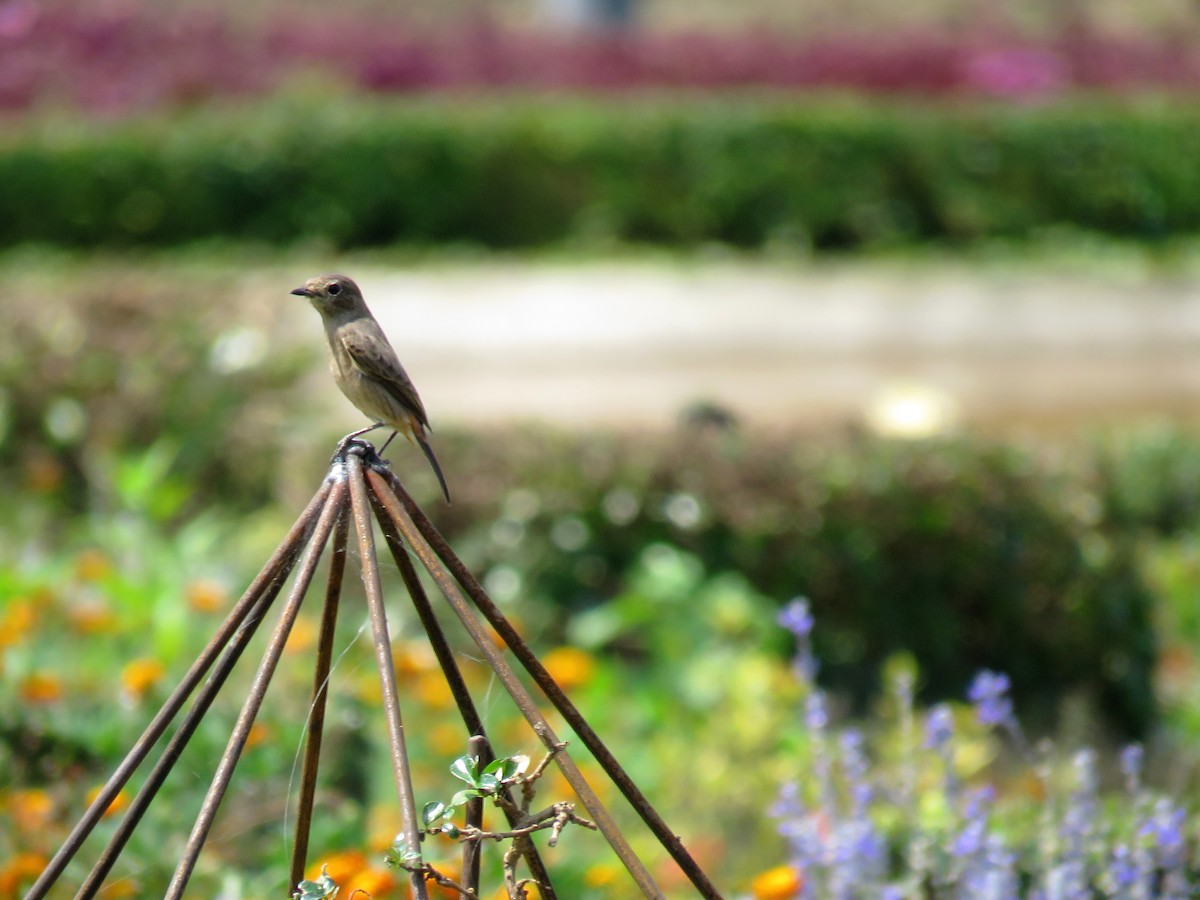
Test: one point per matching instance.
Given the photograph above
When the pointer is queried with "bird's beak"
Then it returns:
(302, 292)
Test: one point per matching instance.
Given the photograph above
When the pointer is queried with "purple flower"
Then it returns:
(939, 727)
(1132, 758)
(989, 694)
(797, 618)
(816, 716)
(1122, 870)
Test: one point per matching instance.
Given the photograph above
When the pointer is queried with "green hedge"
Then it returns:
(520, 173)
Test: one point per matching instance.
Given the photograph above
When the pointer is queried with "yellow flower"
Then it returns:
(116, 805)
(448, 739)
(412, 658)
(532, 893)
(92, 565)
(140, 675)
(570, 667)
(40, 688)
(602, 875)
(205, 596)
(433, 691)
(303, 637)
(780, 883)
(31, 808)
(126, 887)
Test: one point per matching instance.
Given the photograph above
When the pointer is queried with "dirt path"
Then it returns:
(634, 342)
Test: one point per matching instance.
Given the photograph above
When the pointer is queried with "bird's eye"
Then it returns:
(334, 289)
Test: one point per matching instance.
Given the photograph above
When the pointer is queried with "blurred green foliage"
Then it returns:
(965, 553)
(95, 370)
(748, 171)
(138, 396)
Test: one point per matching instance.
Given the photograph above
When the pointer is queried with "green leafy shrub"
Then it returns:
(966, 554)
(746, 171)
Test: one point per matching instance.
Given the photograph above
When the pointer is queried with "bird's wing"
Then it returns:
(378, 359)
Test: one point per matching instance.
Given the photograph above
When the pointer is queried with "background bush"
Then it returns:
(835, 174)
(963, 553)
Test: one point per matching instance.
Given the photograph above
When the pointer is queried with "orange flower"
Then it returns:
(205, 596)
(92, 618)
(116, 805)
(780, 883)
(140, 675)
(451, 870)
(341, 867)
(20, 872)
(92, 565)
(570, 667)
(31, 808)
(43, 474)
(40, 688)
(374, 882)
(258, 735)
(16, 621)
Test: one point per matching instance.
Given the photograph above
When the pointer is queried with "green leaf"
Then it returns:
(465, 768)
(431, 812)
(462, 797)
(504, 769)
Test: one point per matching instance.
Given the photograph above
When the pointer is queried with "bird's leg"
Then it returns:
(349, 439)
(388, 441)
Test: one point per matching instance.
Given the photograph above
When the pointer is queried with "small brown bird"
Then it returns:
(365, 366)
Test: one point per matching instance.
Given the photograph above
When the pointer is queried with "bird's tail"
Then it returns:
(437, 469)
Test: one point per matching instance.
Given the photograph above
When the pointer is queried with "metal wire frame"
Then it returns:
(358, 485)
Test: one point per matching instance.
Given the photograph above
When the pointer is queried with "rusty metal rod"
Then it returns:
(524, 701)
(477, 747)
(281, 560)
(654, 821)
(387, 670)
(179, 741)
(458, 686)
(320, 695)
(334, 507)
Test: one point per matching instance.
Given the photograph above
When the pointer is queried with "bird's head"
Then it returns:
(331, 295)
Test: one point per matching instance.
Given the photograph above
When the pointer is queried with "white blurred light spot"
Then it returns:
(237, 350)
(569, 533)
(66, 420)
(503, 583)
(911, 409)
(521, 505)
(507, 533)
(683, 511)
(621, 506)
